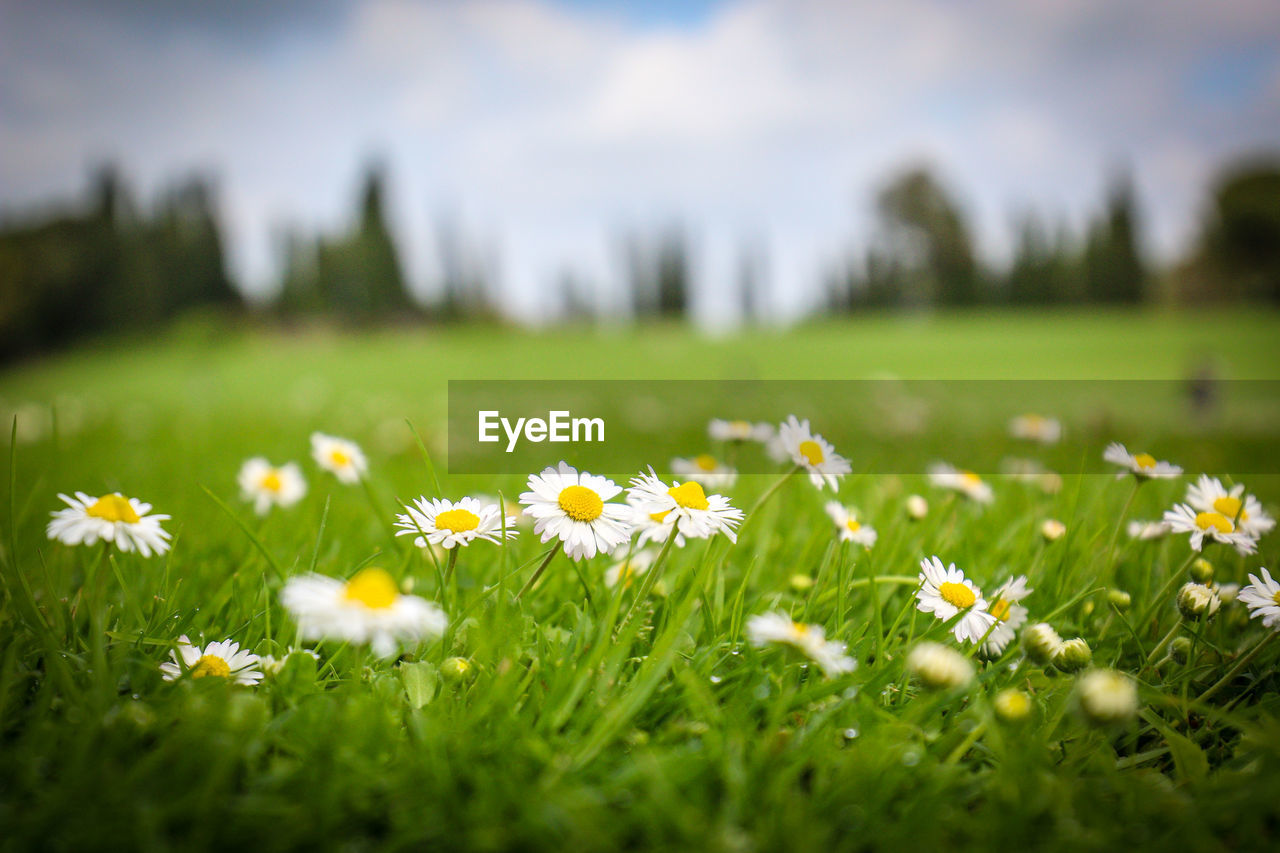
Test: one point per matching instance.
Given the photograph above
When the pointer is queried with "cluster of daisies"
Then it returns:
(582, 515)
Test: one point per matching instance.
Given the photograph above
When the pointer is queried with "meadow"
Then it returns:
(582, 715)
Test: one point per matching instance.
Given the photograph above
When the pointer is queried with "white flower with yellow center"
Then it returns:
(1010, 616)
(811, 640)
(1262, 597)
(1144, 466)
(1032, 427)
(722, 430)
(574, 508)
(111, 518)
(684, 507)
(1208, 525)
(705, 470)
(449, 524)
(368, 608)
(939, 667)
(812, 452)
(629, 568)
(1208, 494)
(344, 459)
(1146, 530)
(266, 486)
(967, 483)
(848, 527)
(945, 591)
(216, 660)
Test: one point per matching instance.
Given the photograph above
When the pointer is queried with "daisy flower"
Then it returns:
(1144, 466)
(1213, 525)
(368, 608)
(1209, 495)
(1033, 427)
(851, 530)
(685, 506)
(945, 591)
(344, 459)
(813, 453)
(1010, 616)
(705, 470)
(778, 629)
(628, 568)
(449, 524)
(265, 485)
(1145, 530)
(967, 483)
(218, 660)
(574, 508)
(1262, 597)
(111, 518)
(722, 430)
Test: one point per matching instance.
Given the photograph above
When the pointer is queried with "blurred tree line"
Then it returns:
(108, 264)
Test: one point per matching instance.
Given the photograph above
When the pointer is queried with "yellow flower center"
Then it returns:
(853, 525)
(211, 665)
(799, 631)
(580, 503)
(811, 451)
(741, 427)
(1144, 460)
(659, 517)
(689, 495)
(373, 588)
(1230, 507)
(339, 458)
(970, 478)
(113, 508)
(1216, 520)
(958, 594)
(1000, 610)
(705, 462)
(457, 520)
(1276, 597)
(271, 481)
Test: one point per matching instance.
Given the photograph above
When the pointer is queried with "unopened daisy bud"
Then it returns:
(1180, 649)
(1073, 655)
(457, 669)
(1106, 697)
(1040, 642)
(1119, 599)
(1086, 609)
(939, 667)
(1052, 530)
(1012, 706)
(917, 507)
(1201, 570)
(1196, 601)
(1227, 592)
(801, 583)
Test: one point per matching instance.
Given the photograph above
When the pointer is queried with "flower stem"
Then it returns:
(542, 567)
(1240, 664)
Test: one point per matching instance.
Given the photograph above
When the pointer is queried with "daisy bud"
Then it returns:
(1180, 649)
(1201, 570)
(1040, 642)
(1012, 706)
(1052, 530)
(1073, 655)
(917, 507)
(801, 583)
(1106, 697)
(1086, 609)
(1227, 592)
(1119, 599)
(457, 669)
(939, 667)
(1197, 601)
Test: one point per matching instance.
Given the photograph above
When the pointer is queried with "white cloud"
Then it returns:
(549, 131)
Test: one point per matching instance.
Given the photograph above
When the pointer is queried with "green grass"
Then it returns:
(576, 731)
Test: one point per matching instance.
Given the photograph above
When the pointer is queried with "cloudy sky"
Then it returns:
(547, 128)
